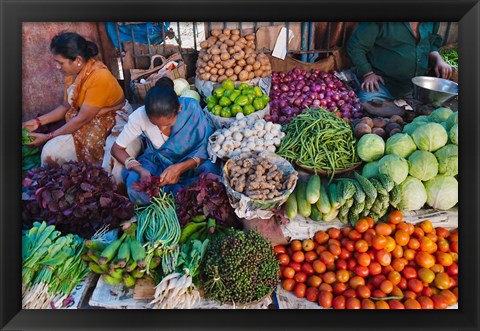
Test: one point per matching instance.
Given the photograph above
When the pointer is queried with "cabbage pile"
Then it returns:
(422, 160)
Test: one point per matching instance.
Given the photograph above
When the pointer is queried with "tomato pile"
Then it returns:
(388, 265)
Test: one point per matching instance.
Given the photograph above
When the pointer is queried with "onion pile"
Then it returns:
(293, 92)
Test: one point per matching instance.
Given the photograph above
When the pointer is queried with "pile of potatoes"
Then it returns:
(383, 127)
(258, 178)
(226, 54)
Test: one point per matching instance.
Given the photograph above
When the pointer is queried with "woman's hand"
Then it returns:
(171, 175)
(40, 139)
(371, 82)
(442, 69)
(144, 173)
(30, 125)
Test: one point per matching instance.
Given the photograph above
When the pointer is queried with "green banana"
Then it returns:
(111, 281)
(116, 273)
(154, 262)
(96, 268)
(136, 273)
(198, 218)
(124, 254)
(111, 250)
(86, 258)
(211, 224)
(128, 279)
(189, 229)
(131, 265)
(138, 253)
(95, 245)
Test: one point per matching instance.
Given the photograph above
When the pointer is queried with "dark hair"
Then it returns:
(165, 82)
(71, 44)
(161, 102)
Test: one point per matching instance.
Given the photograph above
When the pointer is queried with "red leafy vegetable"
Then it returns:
(208, 197)
(76, 198)
(151, 186)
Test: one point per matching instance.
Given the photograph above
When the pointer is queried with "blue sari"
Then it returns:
(188, 138)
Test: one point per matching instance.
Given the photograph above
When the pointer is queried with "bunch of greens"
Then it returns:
(450, 56)
(206, 197)
(75, 197)
(239, 267)
(30, 155)
(52, 266)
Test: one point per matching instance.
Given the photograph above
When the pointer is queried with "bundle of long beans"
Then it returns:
(319, 140)
(159, 230)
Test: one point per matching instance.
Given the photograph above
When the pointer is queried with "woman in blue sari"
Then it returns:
(176, 132)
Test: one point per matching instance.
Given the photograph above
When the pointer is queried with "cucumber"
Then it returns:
(323, 204)
(304, 208)
(331, 215)
(315, 215)
(332, 194)
(313, 189)
(291, 208)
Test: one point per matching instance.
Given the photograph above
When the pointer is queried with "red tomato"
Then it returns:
(308, 268)
(362, 225)
(361, 246)
(295, 266)
(374, 268)
(350, 246)
(321, 237)
(351, 264)
(353, 303)
(427, 291)
(332, 241)
(383, 257)
(356, 281)
(395, 304)
(325, 299)
(361, 271)
(442, 232)
(300, 277)
(452, 270)
(378, 279)
(311, 294)
(368, 304)
(298, 256)
(296, 245)
(288, 272)
(425, 302)
(409, 272)
(334, 233)
(314, 281)
(299, 290)
(396, 292)
(363, 292)
(439, 301)
(319, 267)
(341, 264)
(335, 249)
(279, 249)
(288, 284)
(395, 217)
(415, 285)
(364, 259)
(329, 277)
(355, 235)
(308, 245)
(379, 242)
(339, 288)
(342, 276)
(346, 229)
(325, 287)
(383, 228)
(327, 257)
(283, 258)
(311, 256)
(402, 284)
(339, 302)
(451, 298)
(387, 269)
(386, 286)
(378, 294)
(350, 293)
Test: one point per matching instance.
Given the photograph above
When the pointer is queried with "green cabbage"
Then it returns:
(421, 118)
(413, 194)
(440, 114)
(423, 165)
(430, 137)
(395, 166)
(370, 147)
(452, 120)
(400, 144)
(190, 94)
(370, 169)
(454, 134)
(447, 157)
(442, 192)
(179, 85)
(410, 127)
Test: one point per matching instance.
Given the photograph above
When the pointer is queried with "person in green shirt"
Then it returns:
(387, 55)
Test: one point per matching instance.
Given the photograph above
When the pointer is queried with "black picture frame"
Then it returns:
(13, 13)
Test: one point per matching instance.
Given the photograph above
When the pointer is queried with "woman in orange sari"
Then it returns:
(93, 105)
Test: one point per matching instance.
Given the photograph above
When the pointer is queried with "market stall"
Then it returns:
(363, 195)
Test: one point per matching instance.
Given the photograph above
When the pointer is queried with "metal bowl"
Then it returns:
(433, 90)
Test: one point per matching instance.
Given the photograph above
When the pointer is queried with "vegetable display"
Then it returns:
(228, 101)
(122, 261)
(347, 199)
(245, 136)
(319, 140)
(51, 267)
(227, 54)
(200, 228)
(178, 290)
(77, 198)
(207, 197)
(258, 178)
(450, 56)
(239, 267)
(394, 265)
(293, 92)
